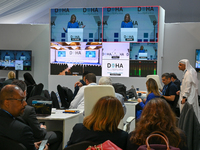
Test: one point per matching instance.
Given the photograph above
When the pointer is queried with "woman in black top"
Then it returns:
(157, 116)
(102, 124)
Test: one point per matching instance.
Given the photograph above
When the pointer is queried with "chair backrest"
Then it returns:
(157, 79)
(121, 89)
(29, 91)
(80, 146)
(54, 100)
(8, 144)
(68, 93)
(37, 90)
(65, 100)
(93, 93)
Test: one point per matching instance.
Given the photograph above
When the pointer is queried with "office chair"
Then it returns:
(80, 146)
(8, 144)
(128, 123)
(93, 93)
(37, 90)
(157, 79)
(54, 100)
(66, 96)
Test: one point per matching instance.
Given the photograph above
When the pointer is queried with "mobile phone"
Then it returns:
(42, 123)
(42, 145)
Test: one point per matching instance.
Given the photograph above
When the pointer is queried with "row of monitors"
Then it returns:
(107, 24)
(106, 59)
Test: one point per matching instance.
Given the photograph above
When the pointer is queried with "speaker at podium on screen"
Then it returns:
(75, 35)
(129, 34)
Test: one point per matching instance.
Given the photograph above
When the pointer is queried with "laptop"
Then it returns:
(42, 108)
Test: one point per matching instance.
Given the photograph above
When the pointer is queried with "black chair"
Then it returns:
(121, 89)
(80, 146)
(176, 109)
(54, 100)
(66, 96)
(37, 90)
(29, 89)
(8, 144)
(46, 94)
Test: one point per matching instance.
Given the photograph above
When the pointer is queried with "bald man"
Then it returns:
(12, 104)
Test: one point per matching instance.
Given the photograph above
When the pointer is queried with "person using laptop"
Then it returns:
(39, 130)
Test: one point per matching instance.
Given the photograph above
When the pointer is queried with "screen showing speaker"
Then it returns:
(15, 60)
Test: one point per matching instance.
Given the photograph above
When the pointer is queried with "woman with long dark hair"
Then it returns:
(157, 115)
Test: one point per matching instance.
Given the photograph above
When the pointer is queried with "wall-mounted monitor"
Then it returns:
(15, 60)
(76, 24)
(130, 24)
(197, 60)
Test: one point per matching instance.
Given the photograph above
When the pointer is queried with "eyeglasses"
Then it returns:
(22, 100)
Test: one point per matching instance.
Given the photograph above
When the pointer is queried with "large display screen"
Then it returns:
(15, 60)
(76, 24)
(108, 41)
(130, 24)
(77, 57)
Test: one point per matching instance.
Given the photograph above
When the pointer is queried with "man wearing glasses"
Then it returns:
(12, 104)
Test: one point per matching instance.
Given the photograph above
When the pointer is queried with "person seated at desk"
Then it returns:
(80, 83)
(157, 116)
(127, 23)
(72, 23)
(11, 77)
(39, 131)
(153, 92)
(78, 101)
(102, 124)
(12, 105)
(107, 81)
(169, 89)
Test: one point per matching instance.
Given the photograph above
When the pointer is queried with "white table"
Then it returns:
(63, 122)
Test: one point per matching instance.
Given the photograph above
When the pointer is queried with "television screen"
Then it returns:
(15, 60)
(73, 58)
(197, 61)
(130, 24)
(76, 24)
(143, 59)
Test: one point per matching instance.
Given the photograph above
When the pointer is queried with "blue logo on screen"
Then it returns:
(61, 53)
(91, 54)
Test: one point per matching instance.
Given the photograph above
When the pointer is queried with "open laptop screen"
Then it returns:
(42, 108)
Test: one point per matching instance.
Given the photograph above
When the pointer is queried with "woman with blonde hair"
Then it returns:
(102, 124)
(11, 77)
(152, 89)
(157, 116)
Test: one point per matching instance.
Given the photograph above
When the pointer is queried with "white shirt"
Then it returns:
(78, 101)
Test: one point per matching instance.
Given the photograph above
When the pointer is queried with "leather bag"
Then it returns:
(157, 146)
(107, 145)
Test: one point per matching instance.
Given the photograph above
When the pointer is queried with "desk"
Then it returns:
(130, 111)
(63, 122)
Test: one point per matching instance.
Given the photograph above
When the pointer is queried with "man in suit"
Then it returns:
(12, 104)
(39, 131)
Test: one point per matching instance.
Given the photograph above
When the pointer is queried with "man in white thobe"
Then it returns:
(189, 86)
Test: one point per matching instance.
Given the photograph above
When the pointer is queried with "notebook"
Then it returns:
(42, 108)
